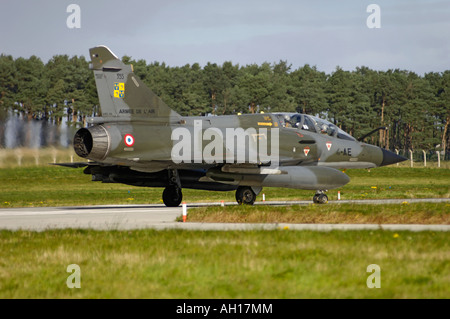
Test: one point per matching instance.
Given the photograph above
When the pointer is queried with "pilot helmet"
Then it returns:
(287, 120)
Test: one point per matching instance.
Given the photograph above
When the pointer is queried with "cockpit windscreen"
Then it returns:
(312, 124)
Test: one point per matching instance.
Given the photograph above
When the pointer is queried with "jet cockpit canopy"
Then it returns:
(312, 124)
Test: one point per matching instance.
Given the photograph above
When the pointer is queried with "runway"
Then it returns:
(127, 217)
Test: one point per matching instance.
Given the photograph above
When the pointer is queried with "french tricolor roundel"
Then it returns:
(129, 140)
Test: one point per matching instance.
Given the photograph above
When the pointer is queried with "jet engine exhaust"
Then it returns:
(92, 143)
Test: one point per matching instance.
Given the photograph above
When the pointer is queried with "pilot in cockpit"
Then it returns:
(324, 128)
(287, 121)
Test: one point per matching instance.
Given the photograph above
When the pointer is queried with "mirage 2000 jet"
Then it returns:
(141, 141)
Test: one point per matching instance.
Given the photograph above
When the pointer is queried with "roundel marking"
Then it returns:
(129, 140)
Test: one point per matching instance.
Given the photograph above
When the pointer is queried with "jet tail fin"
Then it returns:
(122, 94)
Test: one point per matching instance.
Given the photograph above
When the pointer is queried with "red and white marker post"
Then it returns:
(184, 212)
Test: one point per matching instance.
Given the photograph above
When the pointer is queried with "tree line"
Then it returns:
(414, 108)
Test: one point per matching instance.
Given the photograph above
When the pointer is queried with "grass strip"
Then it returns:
(406, 213)
(208, 264)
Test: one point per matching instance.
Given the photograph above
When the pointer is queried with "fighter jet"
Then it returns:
(139, 140)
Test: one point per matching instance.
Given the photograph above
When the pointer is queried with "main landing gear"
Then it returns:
(245, 195)
(172, 195)
(320, 197)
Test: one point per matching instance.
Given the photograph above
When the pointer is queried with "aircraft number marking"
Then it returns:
(345, 151)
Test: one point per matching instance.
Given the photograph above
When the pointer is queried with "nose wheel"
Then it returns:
(320, 198)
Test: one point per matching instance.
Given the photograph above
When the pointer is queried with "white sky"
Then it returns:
(414, 35)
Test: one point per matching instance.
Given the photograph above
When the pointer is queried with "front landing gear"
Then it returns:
(320, 197)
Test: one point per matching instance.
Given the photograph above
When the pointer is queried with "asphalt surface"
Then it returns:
(126, 217)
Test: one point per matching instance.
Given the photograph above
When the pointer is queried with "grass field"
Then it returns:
(255, 264)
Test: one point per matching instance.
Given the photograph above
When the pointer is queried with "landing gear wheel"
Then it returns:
(172, 196)
(245, 195)
(320, 199)
(315, 199)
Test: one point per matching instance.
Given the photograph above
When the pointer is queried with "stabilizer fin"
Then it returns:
(122, 94)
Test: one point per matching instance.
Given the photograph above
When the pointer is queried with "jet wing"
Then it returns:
(74, 165)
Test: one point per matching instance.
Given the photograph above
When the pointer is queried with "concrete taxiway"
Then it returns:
(127, 217)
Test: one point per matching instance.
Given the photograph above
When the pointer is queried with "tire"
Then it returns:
(315, 199)
(172, 196)
(245, 195)
(322, 199)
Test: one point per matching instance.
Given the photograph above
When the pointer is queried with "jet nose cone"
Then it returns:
(391, 158)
